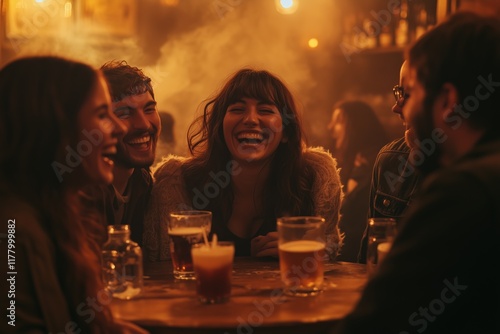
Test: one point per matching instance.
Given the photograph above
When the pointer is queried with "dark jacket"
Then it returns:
(394, 182)
(440, 276)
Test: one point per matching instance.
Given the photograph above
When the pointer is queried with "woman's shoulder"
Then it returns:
(37, 259)
(24, 220)
(320, 158)
(323, 165)
(170, 166)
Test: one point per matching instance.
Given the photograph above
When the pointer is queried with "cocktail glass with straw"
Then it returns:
(213, 268)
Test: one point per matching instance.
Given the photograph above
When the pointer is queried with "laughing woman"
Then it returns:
(249, 165)
(50, 107)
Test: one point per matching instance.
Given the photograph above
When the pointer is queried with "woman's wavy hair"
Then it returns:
(289, 182)
(40, 98)
(364, 133)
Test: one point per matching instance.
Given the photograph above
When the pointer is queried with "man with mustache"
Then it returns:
(439, 275)
(134, 104)
(394, 180)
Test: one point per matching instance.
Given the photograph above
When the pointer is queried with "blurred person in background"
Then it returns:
(166, 143)
(395, 179)
(249, 165)
(57, 135)
(358, 135)
(438, 277)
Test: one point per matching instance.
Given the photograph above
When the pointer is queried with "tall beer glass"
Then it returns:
(185, 228)
(301, 243)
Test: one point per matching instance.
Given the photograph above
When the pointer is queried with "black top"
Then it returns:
(128, 208)
(241, 245)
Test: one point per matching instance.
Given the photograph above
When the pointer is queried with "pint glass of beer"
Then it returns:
(301, 243)
(186, 228)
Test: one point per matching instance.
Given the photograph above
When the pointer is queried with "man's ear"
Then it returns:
(447, 100)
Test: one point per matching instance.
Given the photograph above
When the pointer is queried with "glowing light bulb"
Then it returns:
(170, 2)
(313, 43)
(67, 9)
(287, 4)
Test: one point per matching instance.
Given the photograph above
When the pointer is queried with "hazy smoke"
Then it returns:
(191, 48)
(250, 34)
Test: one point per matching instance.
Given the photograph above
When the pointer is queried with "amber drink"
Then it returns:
(381, 233)
(185, 229)
(213, 267)
(301, 247)
(302, 266)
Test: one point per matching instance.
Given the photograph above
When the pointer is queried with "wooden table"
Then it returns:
(257, 303)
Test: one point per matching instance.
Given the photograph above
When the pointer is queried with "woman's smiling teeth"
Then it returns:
(108, 154)
(250, 138)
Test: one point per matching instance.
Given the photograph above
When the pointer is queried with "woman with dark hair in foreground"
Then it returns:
(57, 133)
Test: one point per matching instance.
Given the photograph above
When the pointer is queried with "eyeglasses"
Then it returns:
(399, 95)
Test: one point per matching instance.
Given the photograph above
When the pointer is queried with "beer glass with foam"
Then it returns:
(301, 244)
(186, 228)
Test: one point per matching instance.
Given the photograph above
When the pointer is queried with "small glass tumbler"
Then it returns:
(381, 234)
(213, 267)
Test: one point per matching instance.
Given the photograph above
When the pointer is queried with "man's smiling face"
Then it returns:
(139, 114)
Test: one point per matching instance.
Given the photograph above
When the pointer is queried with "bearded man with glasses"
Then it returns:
(438, 276)
(394, 180)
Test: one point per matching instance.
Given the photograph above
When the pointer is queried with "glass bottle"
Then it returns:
(121, 260)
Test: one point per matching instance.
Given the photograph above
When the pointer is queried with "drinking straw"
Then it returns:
(205, 238)
(214, 240)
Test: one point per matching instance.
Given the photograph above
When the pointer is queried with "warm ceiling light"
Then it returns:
(287, 6)
(170, 2)
(313, 43)
(67, 9)
(286, 3)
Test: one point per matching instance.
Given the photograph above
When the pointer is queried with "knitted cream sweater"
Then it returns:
(169, 195)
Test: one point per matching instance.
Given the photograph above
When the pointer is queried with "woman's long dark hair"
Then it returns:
(364, 134)
(289, 181)
(40, 98)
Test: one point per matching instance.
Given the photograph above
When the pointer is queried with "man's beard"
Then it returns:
(123, 159)
(423, 128)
